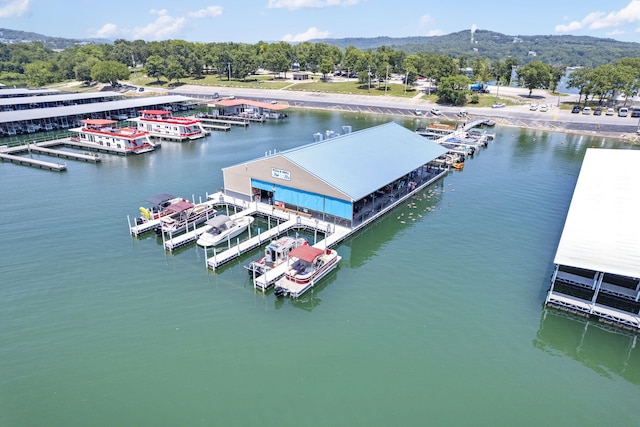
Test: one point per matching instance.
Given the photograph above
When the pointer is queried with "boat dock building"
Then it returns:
(597, 263)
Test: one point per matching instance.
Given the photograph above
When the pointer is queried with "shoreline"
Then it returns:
(515, 116)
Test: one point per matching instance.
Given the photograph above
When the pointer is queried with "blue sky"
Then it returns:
(250, 21)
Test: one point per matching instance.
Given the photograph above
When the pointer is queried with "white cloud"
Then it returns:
(13, 8)
(164, 27)
(435, 33)
(426, 20)
(616, 33)
(570, 27)
(208, 12)
(107, 31)
(301, 4)
(311, 33)
(630, 14)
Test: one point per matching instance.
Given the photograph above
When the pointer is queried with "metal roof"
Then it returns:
(80, 110)
(248, 102)
(17, 92)
(39, 99)
(361, 162)
(602, 230)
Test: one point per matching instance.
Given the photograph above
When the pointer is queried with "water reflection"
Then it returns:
(608, 351)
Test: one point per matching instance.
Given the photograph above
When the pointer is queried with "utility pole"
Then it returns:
(369, 75)
(229, 68)
(406, 79)
(386, 80)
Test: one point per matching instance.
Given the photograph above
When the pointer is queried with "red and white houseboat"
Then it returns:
(162, 124)
(101, 134)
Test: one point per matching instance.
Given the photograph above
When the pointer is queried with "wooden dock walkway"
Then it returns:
(6, 157)
(36, 148)
(206, 121)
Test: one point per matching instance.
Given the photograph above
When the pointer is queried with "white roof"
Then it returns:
(602, 229)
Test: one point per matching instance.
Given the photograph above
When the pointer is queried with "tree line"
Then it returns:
(36, 65)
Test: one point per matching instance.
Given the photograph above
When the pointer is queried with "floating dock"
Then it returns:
(5, 157)
(205, 121)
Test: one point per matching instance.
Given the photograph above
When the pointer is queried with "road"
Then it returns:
(517, 115)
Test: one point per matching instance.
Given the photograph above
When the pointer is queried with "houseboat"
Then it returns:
(102, 134)
(162, 124)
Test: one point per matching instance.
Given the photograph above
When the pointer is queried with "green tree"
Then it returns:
(454, 89)
(535, 75)
(110, 72)
(174, 70)
(39, 73)
(155, 67)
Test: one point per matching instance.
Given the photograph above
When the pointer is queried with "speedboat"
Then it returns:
(221, 228)
(306, 266)
(158, 205)
(275, 253)
(184, 214)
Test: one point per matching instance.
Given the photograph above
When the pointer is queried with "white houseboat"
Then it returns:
(102, 134)
(162, 124)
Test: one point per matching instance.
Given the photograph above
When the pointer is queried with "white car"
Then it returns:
(610, 112)
(418, 112)
(586, 110)
(498, 105)
(533, 107)
(544, 108)
(435, 112)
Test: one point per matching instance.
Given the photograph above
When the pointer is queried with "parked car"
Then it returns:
(533, 107)
(575, 109)
(586, 110)
(597, 111)
(610, 112)
(498, 105)
(435, 112)
(544, 108)
(418, 112)
(623, 112)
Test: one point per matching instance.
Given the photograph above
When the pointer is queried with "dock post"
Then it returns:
(238, 245)
(129, 222)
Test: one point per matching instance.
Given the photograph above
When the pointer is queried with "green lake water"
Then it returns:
(434, 317)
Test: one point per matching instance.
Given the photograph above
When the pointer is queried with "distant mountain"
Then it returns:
(14, 36)
(557, 50)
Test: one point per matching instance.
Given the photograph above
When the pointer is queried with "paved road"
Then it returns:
(518, 116)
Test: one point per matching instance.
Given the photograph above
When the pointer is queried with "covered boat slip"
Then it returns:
(598, 257)
(346, 179)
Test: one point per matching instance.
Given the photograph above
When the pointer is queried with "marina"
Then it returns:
(78, 342)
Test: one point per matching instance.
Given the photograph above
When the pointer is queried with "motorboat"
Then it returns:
(184, 214)
(275, 253)
(221, 228)
(163, 124)
(157, 207)
(307, 265)
(102, 134)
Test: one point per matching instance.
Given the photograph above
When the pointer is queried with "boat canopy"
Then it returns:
(306, 253)
(159, 198)
(180, 206)
(218, 221)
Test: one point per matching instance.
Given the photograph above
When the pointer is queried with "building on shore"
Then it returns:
(248, 109)
(347, 179)
(597, 263)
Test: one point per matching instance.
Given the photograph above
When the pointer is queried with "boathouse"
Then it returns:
(247, 109)
(342, 178)
(597, 263)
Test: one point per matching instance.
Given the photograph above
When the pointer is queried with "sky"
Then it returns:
(250, 21)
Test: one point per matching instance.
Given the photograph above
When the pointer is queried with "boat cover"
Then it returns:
(306, 253)
(218, 221)
(180, 206)
(159, 198)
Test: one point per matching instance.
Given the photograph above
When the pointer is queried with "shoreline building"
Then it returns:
(597, 263)
(348, 179)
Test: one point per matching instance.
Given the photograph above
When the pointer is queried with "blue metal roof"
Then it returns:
(361, 162)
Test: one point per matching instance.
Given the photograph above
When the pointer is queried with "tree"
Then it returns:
(174, 70)
(155, 67)
(535, 75)
(110, 72)
(453, 89)
(39, 73)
